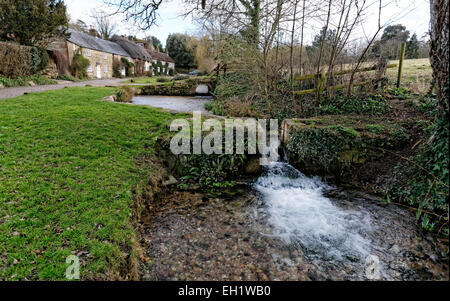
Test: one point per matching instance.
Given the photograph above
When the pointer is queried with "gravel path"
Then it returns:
(18, 91)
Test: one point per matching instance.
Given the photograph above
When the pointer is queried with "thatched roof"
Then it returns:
(135, 51)
(87, 41)
(161, 56)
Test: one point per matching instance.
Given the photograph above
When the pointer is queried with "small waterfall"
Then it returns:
(299, 214)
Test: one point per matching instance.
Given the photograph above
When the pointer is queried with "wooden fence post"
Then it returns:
(400, 65)
(321, 83)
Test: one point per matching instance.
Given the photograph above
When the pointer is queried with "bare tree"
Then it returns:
(291, 58)
(103, 23)
(363, 55)
(143, 13)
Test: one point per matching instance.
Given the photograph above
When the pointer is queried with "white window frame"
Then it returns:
(106, 69)
(88, 52)
(74, 47)
(89, 68)
(105, 56)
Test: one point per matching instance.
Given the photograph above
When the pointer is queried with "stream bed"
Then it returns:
(286, 226)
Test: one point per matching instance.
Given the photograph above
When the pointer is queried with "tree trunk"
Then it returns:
(440, 49)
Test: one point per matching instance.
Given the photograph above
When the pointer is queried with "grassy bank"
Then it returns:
(26, 81)
(71, 167)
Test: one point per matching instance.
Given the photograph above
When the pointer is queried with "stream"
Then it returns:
(174, 103)
(285, 225)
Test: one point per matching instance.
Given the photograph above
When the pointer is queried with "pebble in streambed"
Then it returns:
(192, 237)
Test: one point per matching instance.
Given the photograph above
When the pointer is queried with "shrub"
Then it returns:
(15, 60)
(128, 66)
(180, 77)
(67, 78)
(232, 84)
(160, 68)
(24, 81)
(41, 80)
(163, 79)
(117, 68)
(4, 81)
(372, 105)
(423, 181)
(240, 106)
(125, 94)
(79, 66)
(40, 59)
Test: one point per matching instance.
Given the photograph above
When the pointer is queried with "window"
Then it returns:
(89, 68)
(74, 47)
(105, 56)
(88, 52)
(106, 69)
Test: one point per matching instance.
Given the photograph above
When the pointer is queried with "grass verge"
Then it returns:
(71, 167)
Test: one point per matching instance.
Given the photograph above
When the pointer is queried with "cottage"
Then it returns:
(101, 53)
(141, 58)
(158, 57)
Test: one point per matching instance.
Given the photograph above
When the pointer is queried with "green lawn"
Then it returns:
(69, 175)
(143, 80)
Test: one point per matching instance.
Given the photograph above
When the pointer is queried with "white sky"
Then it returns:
(415, 16)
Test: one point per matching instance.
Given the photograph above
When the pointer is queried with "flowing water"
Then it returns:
(337, 231)
(300, 214)
(288, 226)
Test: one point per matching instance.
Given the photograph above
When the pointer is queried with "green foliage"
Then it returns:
(157, 44)
(40, 59)
(374, 105)
(178, 47)
(374, 128)
(160, 69)
(345, 130)
(15, 60)
(211, 170)
(232, 84)
(117, 68)
(79, 66)
(321, 148)
(32, 22)
(163, 79)
(128, 66)
(412, 48)
(125, 94)
(424, 182)
(67, 78)
(25, 80)
(390, 44)
(400, 93)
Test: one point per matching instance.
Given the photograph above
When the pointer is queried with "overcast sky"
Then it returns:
(415, 15)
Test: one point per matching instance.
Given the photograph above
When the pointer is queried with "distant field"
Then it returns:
(417, 74)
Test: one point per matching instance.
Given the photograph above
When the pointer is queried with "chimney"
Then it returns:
(149, 44)
(125, 36)
(167, 51)
(93, 32)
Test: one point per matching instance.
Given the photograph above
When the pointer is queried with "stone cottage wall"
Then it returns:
(105, 60)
